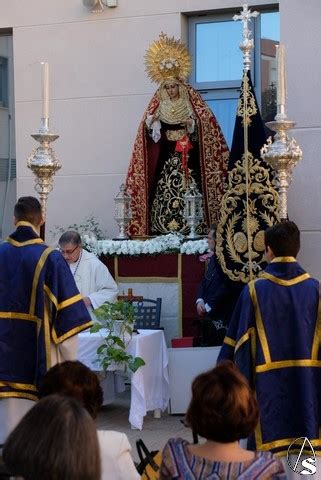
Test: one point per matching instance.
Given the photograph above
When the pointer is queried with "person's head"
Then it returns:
(74, 379)
(282, 240)
(211, 238)
(28, 209)
(172, 89)
(70, 245)
(57, 438)
(223, 407)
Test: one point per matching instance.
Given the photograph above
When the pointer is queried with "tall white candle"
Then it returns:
(281, 86)
(45, 89)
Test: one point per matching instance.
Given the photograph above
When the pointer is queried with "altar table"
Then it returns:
(175, 277)
(149, 384)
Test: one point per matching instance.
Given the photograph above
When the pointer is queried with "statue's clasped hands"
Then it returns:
(188, 122)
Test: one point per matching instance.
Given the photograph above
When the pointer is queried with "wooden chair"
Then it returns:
(147, 314)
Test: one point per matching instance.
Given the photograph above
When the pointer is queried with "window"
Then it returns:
(3, 82)
(218, 63)
(270, 35)
(217, 60)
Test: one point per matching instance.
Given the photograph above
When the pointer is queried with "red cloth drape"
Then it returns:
(189, 273)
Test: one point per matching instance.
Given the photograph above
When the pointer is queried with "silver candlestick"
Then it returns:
(283, 153)
(43, 163)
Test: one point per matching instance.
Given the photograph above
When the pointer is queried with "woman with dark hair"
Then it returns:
(223, 410)
(56, 439)
(74, 379)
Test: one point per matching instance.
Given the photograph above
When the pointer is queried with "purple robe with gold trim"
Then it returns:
(274, 338)
(39, 304)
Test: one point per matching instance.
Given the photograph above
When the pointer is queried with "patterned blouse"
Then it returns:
(179, 463)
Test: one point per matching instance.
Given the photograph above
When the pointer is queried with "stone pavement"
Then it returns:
(155, 432)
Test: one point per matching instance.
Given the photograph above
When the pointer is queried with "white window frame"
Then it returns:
(220, 90)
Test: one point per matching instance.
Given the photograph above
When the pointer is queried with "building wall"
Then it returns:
(7, 144)
(99, 90)
(300, 32)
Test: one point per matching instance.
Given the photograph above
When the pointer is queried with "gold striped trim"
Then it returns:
(297, 450)
(38, 269)
(27, 396)
(284, 260)
(287, 364)
(258, 433)
(50, 295)
(116, 269)
(244, 338)
(69, 301)
(24, 223)
(253, 340)
(317, 334)
(285, 442)
(286, 283)
(23, 244)
(147, 279)
(71, 333)
(47, 335)
(20, 316)
(259, 323)
(155, 279)
(18, 386)
(229, 341)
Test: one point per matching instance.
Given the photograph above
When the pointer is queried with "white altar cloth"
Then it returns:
(150, 384)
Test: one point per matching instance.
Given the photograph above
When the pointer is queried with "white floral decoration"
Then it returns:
(168, 64)
(162, 244)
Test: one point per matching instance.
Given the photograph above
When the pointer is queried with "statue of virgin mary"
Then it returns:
(179, 142)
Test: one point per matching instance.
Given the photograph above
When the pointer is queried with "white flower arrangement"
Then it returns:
(163, 244)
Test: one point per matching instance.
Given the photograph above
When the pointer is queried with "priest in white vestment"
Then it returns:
(92, 277)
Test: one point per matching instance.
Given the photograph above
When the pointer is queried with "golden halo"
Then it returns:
(167, 58)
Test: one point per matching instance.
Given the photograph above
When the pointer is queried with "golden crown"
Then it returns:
(167, 58)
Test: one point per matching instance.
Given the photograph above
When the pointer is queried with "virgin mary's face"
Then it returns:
(172, 90)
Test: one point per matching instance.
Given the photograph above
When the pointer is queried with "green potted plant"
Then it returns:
(116, 324)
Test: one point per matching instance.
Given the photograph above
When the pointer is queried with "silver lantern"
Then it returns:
(123, 212)
(193, 211)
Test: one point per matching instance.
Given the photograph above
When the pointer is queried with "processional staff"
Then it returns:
(250, 201)
(246, 47)
(247, 44)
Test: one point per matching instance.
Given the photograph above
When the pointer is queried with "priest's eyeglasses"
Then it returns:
(68, 252)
